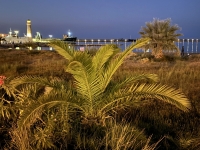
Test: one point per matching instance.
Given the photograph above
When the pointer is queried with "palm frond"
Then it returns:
(103, 54)
(56, 83)
(87, 82)
(116, 63)
(164, 93)
(138, 92)
(10, 88)
(28, 79)
(63, 49)
(130, 80)
(35, 109)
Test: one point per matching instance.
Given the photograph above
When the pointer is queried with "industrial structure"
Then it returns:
(13, 38)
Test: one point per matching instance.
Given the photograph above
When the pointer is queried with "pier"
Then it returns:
(190, 45)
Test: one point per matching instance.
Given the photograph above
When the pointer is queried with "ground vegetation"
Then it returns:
(38, 111)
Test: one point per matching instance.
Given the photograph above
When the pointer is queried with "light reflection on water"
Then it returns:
(44, 48)
(38, 48)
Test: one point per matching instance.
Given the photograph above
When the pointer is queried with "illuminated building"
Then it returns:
(29, 31)
(12, 37)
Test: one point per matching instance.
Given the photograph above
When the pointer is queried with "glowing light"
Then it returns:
(69, 33)
(188, 46)
(16, 32)
(10, 32)
(125, 43)
(192, 45)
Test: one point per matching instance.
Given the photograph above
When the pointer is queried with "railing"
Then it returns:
(190, 45)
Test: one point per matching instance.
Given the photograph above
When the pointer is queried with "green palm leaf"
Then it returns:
(164, 93)
(103, 55)
(131, 80)
(137, 93)
(35, 109)
(117, 62)
(63, 49)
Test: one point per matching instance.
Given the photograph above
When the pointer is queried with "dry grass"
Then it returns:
(156, 118)
(31, 62)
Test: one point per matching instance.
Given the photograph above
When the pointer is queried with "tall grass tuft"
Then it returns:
(20, 139)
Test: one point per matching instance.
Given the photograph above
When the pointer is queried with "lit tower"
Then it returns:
(29, 32)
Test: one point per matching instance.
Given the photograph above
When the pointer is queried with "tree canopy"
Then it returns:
(162, 36)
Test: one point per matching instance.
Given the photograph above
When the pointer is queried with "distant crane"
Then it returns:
(38, 36)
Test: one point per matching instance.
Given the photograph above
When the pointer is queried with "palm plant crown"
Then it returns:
(93, 76)
(93, 93)
(162, 36)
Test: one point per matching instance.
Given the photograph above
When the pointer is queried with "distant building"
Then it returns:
(29, 30)
(12, 36)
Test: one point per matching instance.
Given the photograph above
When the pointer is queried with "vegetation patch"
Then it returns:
(43, 106)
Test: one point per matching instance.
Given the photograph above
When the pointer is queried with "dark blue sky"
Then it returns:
(97, 18)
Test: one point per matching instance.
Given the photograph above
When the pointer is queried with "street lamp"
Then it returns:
(69, 33)
(16, 32)
(10, 32)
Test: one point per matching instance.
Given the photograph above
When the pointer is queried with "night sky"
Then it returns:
(97, 18)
